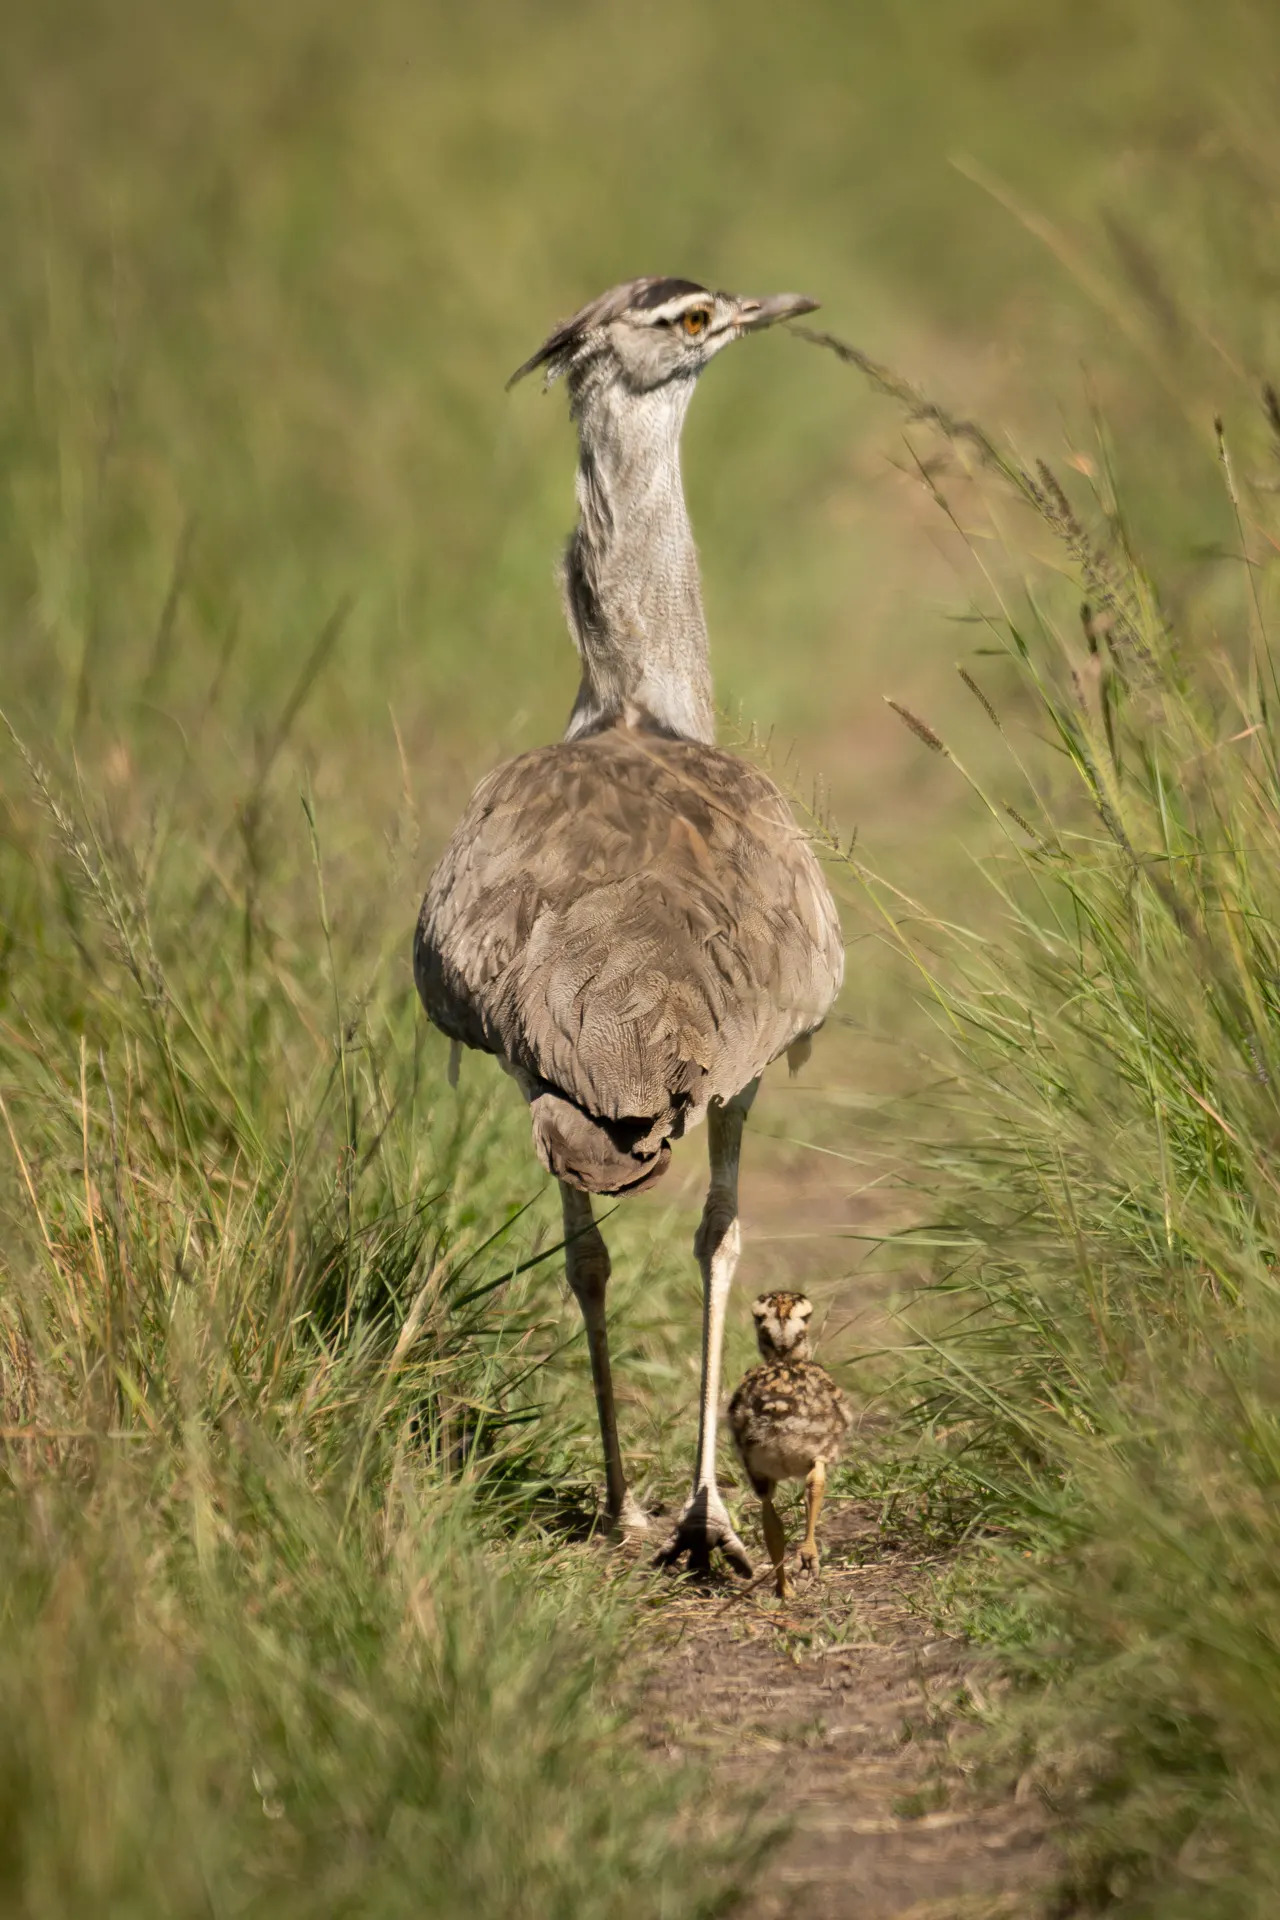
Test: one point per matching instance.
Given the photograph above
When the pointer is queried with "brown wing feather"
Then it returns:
(634, 921)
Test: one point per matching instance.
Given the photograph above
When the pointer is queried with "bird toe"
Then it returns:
(705, 1528)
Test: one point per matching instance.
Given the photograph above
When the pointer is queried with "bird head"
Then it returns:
(649, 333)
(782, 1325)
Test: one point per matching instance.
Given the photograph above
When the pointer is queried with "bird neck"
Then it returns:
(632, 593)
(785, 1356)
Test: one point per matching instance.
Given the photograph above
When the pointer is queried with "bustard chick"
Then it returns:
(789, 1420)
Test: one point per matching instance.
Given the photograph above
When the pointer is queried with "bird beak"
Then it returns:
(751, 314)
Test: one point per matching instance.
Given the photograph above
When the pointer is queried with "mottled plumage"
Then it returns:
(638, 926)
(788, 1419)
(785, 1415)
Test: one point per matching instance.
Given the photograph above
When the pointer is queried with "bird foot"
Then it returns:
(702, 1527)
(809, 1562)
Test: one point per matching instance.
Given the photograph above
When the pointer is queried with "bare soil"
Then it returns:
(847, 1717)
(843, 1715)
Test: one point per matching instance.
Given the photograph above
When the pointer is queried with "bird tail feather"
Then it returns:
(596, 1156)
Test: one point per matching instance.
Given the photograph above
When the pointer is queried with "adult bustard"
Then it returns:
(631, 920)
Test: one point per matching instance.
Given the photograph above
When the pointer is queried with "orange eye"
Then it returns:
(694, 323)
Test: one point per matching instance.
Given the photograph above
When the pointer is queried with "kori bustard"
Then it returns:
(631, 920)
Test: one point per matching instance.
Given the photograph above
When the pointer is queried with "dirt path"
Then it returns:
(846, 1711)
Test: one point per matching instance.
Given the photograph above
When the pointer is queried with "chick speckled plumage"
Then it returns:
(789, 1420)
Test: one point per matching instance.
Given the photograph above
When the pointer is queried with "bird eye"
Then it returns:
(694, 323)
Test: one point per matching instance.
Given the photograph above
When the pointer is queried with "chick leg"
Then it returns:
(775, 1539)
(814, 1487)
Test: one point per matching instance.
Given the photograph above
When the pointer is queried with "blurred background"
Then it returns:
(266, 269)
(271, 521)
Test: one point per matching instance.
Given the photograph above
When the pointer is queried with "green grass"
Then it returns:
(220, 1695)
(1099, 1349)
(290, 1432)
(293, 1404)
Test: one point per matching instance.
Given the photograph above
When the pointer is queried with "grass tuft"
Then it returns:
(1098, 1352)
(284, 1628)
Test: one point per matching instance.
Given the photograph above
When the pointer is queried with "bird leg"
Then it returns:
(705, 1522)
(814, 1487)
(586, 1260)
(774, 1538)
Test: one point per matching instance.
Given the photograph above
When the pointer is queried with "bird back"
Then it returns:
(635, 923)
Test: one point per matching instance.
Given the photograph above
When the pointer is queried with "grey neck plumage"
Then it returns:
(631, 588)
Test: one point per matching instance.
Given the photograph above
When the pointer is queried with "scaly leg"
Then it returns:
(705, 1522)
(814, 1487)
(586, 1260)
(775, 1539)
